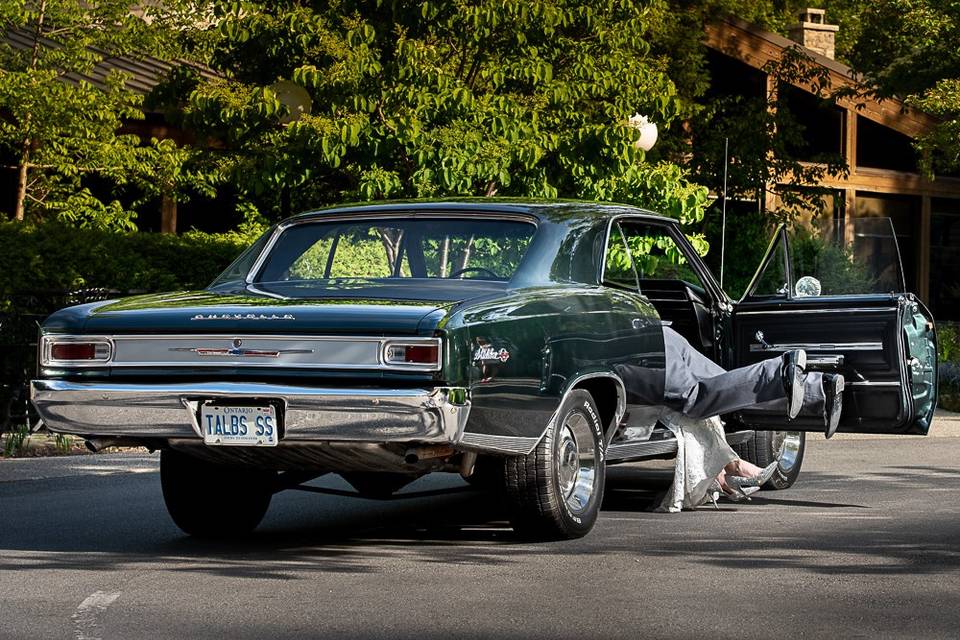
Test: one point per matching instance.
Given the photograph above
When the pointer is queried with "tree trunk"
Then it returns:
(444, 257)
(168, 214)
(18, 213)
(465, 258)
(19, 209)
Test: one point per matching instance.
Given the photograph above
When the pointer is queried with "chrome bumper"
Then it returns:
(310, 414)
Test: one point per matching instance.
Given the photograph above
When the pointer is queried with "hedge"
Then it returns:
(52, 257)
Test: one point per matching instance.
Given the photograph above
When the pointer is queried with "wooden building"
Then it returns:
(875, 139)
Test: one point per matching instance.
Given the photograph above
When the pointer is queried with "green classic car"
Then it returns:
(484, 337)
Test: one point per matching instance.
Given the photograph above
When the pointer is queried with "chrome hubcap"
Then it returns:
(576, 462)
(787, 445)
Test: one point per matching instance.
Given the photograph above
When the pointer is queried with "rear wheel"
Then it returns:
(555, 492)
(784, 447)
(210, 500)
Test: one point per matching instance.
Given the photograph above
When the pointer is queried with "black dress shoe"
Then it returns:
(794, 373)
(833, 401)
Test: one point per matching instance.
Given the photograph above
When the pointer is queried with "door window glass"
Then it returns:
(656, 256)
(771, 280)
(852, 257)
(618, 268)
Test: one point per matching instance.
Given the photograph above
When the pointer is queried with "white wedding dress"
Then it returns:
(702, 451)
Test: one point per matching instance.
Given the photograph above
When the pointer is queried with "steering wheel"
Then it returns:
(459, 272)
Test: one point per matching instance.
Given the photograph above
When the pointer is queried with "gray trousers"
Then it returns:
(699, 388)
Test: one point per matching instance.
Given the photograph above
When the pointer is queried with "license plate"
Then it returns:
(250, 426)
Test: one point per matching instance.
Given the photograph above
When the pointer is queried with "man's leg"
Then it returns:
(738, 389)
(699, 388)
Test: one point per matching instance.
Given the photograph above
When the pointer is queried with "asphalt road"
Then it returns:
(866, 545)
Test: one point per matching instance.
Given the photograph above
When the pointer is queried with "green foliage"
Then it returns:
(948, 342)
(55, 257)
(907, 48)
(426, 98)
(64, 133)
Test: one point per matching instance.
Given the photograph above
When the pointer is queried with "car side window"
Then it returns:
(656, 255)
(773, 281)
(618, 268)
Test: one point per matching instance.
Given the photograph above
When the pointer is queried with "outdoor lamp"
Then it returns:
(647, 129)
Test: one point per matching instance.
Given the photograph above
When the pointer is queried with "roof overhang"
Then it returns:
(756, 47)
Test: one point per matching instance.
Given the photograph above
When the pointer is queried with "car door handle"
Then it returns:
(638, 323)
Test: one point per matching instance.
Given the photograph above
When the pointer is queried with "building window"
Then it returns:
(879, 147)
(945, 258)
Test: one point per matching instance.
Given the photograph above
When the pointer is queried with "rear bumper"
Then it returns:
(311, 414)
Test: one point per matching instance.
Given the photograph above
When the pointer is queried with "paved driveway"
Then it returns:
(866, 545)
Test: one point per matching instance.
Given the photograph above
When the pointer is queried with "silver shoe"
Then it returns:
(757, 481)
(736, 493)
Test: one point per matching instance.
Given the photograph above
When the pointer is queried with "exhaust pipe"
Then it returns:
(468, 463)
(418, 454)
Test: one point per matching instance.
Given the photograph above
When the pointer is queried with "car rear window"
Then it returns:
(380, 248)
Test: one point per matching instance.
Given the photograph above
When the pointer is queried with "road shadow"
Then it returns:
(119, 522)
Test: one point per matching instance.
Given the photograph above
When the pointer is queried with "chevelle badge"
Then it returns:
(243, 316)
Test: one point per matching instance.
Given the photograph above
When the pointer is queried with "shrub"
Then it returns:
(54, 257)
(949, 386)
(948, 342)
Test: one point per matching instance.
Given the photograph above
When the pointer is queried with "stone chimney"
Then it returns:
(814, 33)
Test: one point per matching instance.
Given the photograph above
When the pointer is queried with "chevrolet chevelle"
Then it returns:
(384, 342)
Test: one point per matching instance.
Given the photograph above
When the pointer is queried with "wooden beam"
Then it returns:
(886, 181)
(850, 139)
(757, 48)
(923, 271)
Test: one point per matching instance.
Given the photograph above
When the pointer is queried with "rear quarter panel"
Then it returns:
(520, 353)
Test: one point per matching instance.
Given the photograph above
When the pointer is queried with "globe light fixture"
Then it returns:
(294, 97)
(647, 129)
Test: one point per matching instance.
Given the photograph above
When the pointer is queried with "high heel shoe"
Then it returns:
(736, 494)
(756, 481)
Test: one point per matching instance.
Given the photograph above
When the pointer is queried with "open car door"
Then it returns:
(840, 296)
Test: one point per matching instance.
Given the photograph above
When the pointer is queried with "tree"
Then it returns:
(432, 98)
(907, 49)
(60, 130)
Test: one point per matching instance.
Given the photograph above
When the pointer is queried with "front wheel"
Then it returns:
(209, 500)
(555, 492)
(784, 447)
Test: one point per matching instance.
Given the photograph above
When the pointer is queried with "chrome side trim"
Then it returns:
(623, 452)
(821, 346)
(801, 310)
(867, 383)
(514, 445)
(310, 414)
(646, 448)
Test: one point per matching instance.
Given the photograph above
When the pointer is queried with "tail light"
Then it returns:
(74, 351)
(416, 355)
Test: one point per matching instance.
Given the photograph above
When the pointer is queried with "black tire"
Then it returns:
(546, 488)
(765, 447)
(191, 491)
(375, 485)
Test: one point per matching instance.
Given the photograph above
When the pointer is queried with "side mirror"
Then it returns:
(807, 286)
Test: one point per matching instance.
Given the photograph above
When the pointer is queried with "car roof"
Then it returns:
(559, 211)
